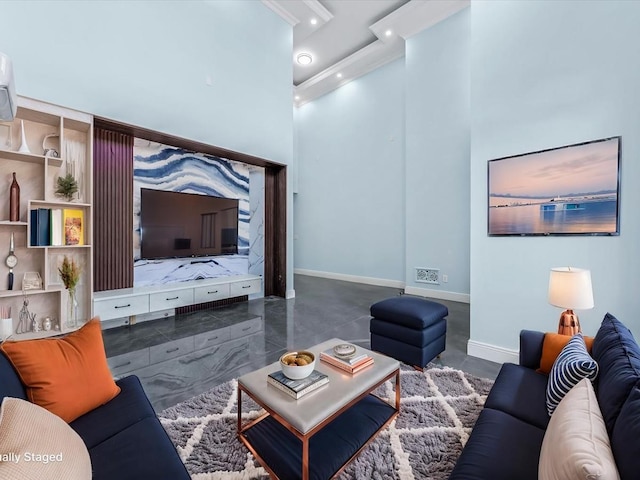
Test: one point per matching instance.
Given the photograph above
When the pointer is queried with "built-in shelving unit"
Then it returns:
(70, 133)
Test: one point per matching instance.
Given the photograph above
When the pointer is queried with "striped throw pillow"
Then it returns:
(572, 365)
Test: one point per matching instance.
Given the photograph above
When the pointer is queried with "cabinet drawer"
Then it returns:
(128, 362)
(208, 339)
(171, 299)
(248, 327)
(121, 307)
(210, 293)
(165, 351)
(246, 287)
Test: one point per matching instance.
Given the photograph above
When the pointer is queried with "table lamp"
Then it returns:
(570, 288)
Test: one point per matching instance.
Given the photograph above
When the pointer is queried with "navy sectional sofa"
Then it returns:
(505, 442)
(124, 436)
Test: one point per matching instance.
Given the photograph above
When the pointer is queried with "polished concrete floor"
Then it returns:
(179, 357)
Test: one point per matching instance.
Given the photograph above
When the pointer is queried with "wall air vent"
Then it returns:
(428, 275)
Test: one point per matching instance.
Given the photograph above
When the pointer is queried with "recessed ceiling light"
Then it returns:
(304, 59)
(297, 97)
(314, 21)
(388, 33)
(339, 75)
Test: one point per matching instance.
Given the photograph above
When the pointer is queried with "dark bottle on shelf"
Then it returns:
(14, 200)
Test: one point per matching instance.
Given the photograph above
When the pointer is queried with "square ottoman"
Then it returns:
(410, 329)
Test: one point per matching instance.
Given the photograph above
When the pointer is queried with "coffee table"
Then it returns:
(316, 436)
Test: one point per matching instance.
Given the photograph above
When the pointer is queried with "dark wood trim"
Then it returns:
(275, 231)
(180, 142)
(113, 210)
(275, 208)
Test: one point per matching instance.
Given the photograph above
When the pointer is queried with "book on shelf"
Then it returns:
(40, 227)
(73, 225)
(297, 388)
(55, 223)
(354, 364)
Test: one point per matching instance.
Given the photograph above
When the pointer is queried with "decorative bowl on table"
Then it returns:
(297, 365)
(344, 351)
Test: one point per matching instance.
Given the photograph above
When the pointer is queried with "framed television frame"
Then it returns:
(569, 190)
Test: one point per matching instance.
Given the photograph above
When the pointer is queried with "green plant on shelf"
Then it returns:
(67, 187)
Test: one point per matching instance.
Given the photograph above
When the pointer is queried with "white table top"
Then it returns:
(315, 407)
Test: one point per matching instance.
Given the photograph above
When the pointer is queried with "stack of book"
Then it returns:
(297, 388)
(56, 227)
(353, 364)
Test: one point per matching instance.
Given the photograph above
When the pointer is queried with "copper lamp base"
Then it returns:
(569, 323)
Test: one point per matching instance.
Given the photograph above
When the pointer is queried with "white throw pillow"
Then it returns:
(576, 444)
(35, 444)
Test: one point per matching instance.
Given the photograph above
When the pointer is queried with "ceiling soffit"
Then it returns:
(350, 37)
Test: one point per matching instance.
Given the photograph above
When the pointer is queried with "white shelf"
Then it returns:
(19, 293)
(16, 224)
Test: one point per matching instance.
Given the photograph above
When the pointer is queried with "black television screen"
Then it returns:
(175, 224)
(570, 190)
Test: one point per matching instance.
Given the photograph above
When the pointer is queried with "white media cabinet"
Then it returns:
(126, 302)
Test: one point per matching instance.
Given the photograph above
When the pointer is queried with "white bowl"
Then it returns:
(297, 372)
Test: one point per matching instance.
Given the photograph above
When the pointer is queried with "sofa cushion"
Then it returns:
(572, 365)
(576, 444)
(552, 346)
(412, 312)
(618, 357)
(141, 451)
(501, 447)
(624, 440)
(520, 392)
(68, 376)
(129, 407)
(10, 386)
(39, 444)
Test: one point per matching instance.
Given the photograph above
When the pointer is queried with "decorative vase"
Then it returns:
(24, 148)
(72, 309)
(14, 200)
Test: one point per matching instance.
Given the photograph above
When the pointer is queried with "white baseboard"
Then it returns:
(441, 294)
(381, 282)
(291, 293)
(492, 353)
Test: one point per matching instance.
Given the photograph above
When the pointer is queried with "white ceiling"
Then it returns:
(352, 37)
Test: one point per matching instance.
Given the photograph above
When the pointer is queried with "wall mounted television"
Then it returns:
(176, 224)
(570, 190)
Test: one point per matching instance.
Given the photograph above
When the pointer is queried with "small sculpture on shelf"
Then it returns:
(24, 147)
(14, 200)
(25, 318)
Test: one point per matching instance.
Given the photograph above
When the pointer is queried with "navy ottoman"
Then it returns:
(410, 329)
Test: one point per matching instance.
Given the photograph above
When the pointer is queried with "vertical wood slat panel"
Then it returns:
(113, 210)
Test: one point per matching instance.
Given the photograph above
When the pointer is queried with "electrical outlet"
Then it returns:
(445, 278)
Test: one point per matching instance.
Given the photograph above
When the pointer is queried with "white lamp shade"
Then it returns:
(570, 288)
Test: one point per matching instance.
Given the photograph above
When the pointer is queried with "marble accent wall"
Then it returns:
(256, 223)
(163, 167)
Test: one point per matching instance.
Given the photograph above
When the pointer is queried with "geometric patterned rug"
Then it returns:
(438, 408)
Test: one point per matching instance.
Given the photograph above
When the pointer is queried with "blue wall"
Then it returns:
(146, 63)
(547, 74)
(349, 209)
(437, 160)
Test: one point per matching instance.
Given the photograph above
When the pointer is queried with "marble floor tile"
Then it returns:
(247, 336)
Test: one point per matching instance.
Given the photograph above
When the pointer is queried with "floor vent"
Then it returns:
(214, 304)
(428, 275)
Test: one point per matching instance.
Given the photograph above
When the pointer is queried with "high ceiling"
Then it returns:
(349, 38)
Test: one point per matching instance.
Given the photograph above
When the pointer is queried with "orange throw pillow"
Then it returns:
(552, 346)
(68, 376)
